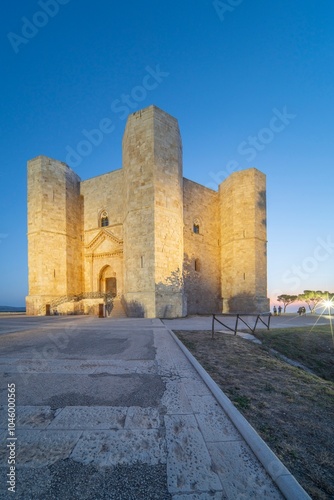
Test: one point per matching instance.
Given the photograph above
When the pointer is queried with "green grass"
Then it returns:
(314, 347)
(189, 344)
(242, 401)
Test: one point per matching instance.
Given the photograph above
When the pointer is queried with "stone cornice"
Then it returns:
(101, 236)
(117, 253)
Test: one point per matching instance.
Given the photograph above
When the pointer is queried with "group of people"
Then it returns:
(277, 310)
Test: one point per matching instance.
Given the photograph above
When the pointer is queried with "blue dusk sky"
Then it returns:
(250, 82)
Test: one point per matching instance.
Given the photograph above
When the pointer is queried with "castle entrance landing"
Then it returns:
(108, 281)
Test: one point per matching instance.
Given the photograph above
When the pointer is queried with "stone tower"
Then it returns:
(160, 244)
(153, 222)
(54, 232)
(244, 242)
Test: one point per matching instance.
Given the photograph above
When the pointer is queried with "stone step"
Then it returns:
(117, 310)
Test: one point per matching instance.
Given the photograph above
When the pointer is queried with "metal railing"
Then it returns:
(107, 298)
(241, 316)
(76, 298)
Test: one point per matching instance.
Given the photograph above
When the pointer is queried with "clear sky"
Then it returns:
(251, 83)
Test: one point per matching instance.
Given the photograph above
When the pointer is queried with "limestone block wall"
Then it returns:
(243, 242)
(153, 240)
(168, 216)
(103, 193)
(138, 165)
(202, 249)
(54, 232)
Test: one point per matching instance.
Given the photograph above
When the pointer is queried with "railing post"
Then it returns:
(257, 319)
(213, 325)
(236, 325)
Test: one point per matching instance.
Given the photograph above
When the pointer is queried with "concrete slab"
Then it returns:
(124, 447)
(40, 448)
(113, 367)
(175, 398)
(46, 345)
(234, 458)
(143, 418)
(100, 389)
(104, 418)
(84, 417)
(213, 423)
(116, 409)
(34, 417)
(189, 465)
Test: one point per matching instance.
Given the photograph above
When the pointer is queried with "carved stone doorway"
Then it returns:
(108, 281)
(111, 286)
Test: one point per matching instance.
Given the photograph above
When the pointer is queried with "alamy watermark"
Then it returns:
(30, 27)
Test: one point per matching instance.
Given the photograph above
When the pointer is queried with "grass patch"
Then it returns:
(291, 409)
(242, 401)
(313, 348)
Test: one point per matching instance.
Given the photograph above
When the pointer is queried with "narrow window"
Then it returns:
(141, 261)
(104, 219)
(196, 226)
(197, 265)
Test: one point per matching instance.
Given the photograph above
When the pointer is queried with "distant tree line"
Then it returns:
(311, 297)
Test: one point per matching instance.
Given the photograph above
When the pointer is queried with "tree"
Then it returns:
(329, 296)
(312, 298)
(286, 300)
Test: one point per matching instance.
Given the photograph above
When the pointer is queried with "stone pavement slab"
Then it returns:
(114, 409)
(40, 448)
(189, 464)
(121, 447)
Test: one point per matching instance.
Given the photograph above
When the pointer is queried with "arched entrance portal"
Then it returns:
(108, 281)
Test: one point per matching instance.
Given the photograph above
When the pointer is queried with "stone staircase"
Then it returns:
(118, 310)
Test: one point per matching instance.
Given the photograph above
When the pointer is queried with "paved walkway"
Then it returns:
(114, 409)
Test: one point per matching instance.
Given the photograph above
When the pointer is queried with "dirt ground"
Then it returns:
(292, 410)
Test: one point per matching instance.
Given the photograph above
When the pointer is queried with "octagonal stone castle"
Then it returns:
(162, 245)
